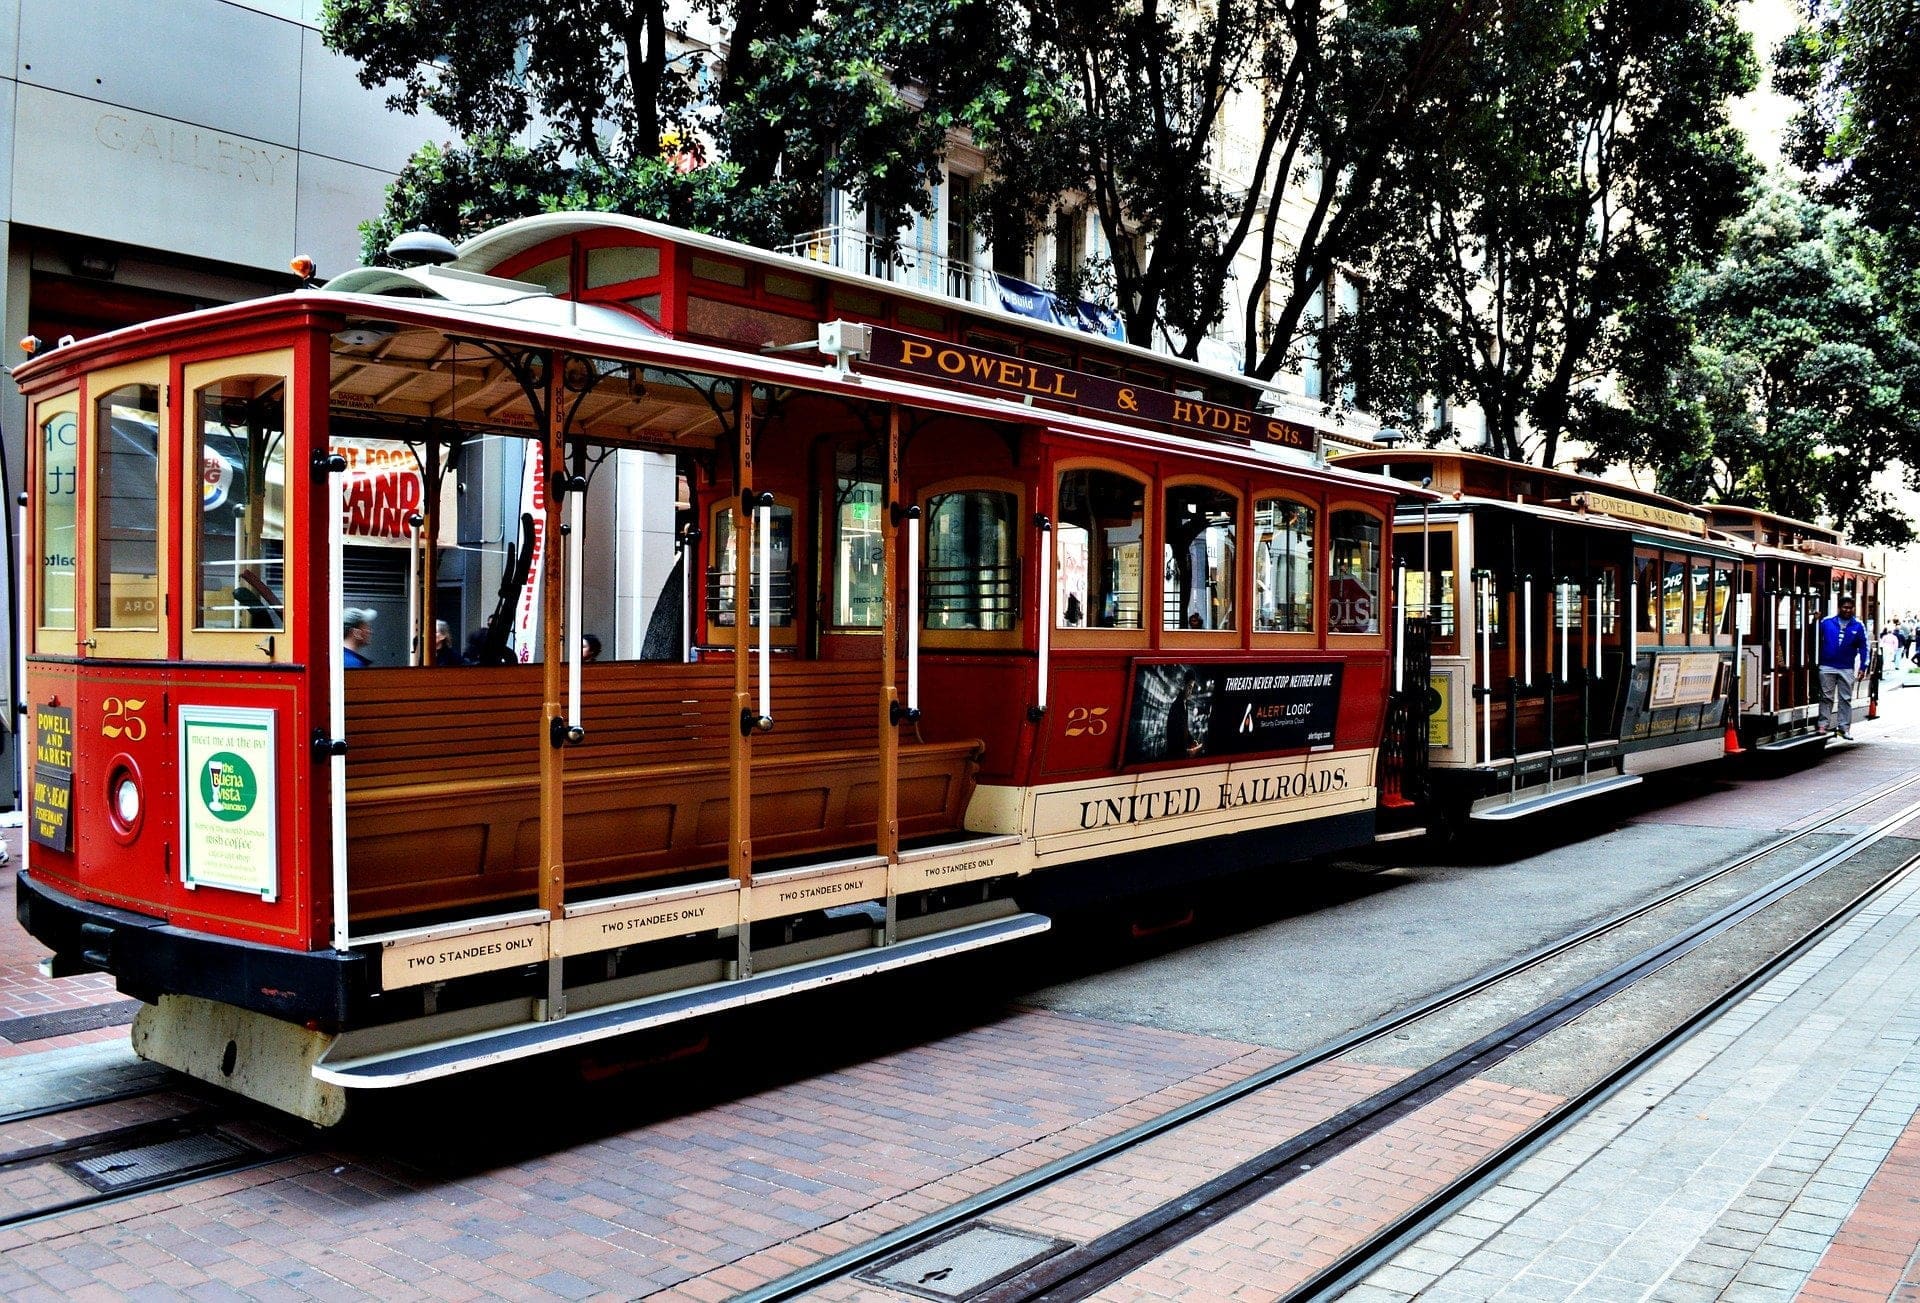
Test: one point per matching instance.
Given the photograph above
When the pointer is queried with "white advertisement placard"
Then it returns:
(228, 800)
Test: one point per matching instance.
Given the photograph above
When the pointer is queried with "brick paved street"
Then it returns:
(1812, 1084)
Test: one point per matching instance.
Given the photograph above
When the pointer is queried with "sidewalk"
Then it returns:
(1773, 1156)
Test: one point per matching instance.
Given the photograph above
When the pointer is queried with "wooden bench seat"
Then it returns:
(443, 777)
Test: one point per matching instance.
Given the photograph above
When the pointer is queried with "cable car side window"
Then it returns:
(722, 585)
(240, 507)
(57, 491)
(859, 586)
(972, 561)
(1353, 594)
(1199, 560)
(1100, 550)
(1283, 566)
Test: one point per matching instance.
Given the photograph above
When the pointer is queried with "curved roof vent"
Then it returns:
(415, 248)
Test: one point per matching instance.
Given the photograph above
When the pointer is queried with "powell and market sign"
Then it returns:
(1019, 377)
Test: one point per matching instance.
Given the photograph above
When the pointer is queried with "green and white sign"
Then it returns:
(227, 800)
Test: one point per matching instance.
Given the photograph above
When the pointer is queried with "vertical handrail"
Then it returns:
(575, 527)
(913, 612)
(763, 525)
(1044, 524)
(1400, 627)
(1526, 630)
(1486, 665)
(22, 739)
(1563, 597)
(336, 706)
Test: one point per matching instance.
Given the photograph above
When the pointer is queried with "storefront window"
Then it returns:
(1198, 558)
(1353, 596)
(241, 454)
(126, 509)
(1283, 566)
(972, 559)
(1100, 546)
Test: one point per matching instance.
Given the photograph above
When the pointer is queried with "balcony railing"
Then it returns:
(917, 267)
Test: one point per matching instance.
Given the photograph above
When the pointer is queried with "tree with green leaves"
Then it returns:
(1328, 104)
(1855, 68)
(606, 104)
(1799, 391)
(1591, 160)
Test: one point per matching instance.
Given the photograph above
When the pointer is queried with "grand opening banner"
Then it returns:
(1184, 711)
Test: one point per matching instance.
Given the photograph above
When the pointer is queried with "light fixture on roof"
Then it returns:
(421, 248)
(364, 334)
(1388, 437)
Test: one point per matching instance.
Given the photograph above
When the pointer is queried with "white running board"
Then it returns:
(445, 1058)
(1527, 805)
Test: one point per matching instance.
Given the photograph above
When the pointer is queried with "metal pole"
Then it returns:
(1526, 629)
(576, 526)
(763, 522)
(1486, 666)
(1045, 563)
(913, 612)
(1400, 629)
(337, 710)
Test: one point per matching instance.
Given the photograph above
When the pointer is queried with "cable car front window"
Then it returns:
(59, 490)
(241, 542)
(127, 506)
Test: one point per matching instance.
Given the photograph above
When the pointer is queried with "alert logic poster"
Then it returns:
(1185, 711)
(228, 790)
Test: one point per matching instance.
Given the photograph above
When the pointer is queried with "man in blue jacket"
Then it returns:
(1843, 661)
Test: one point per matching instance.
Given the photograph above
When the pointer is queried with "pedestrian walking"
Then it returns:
(1889, 650)
(356, 634)
(1843, 662)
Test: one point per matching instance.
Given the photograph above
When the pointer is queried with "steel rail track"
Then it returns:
(1381, 1247)
(849, 1261)
(1087, 1268)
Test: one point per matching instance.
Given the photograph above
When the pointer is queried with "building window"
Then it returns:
(1100, 542)
(1198, 561)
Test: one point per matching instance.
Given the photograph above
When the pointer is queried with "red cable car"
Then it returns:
(910, 620)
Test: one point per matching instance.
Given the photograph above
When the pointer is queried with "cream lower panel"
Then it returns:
(945, 867)
(1140, 811)
(441, 959)
(777, 895)
(648, 916)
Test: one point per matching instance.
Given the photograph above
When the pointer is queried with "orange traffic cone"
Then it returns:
(1733, 740)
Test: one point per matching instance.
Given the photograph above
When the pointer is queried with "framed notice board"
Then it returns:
(229, 798)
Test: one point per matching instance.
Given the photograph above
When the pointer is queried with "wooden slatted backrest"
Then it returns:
(409, 726)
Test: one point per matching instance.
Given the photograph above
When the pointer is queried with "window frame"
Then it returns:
(1005, 639)
(1086, 635)
(128, 644)
(830, 554)
(236, 644)
(1383, 579)
(721, 637)
(57, 640)
(1200, 639)
(1278, 638)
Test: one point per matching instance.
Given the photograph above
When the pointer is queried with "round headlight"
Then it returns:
(126, 799)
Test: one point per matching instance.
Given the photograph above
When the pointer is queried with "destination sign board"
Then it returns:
(50, 813)
(1646, 513)
(1017, 377)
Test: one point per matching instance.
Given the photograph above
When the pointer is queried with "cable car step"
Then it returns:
(412, 1064)
(1559, 796)
(1795, 740)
